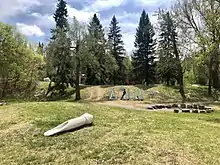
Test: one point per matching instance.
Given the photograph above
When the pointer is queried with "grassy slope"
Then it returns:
(166, 94)
(117, 137)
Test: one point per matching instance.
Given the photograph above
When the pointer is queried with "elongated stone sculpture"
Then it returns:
(85, 119)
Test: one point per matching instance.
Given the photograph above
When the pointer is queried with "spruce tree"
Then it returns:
(60, 59)
(166, 68)
(117, 49)
(60, 15)
(143, 57)
(40, 48)
(97, 73)
(169, 65)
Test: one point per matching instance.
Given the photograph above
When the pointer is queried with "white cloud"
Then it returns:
(81, 15)
(154, 3)
(100, 5)
(128, 39)
(13, 7)
(147, 2)
(44, 21)
(29, 30)
(47, 20)
(128, 16)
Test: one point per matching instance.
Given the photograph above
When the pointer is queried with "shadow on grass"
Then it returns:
(145, 87)
(67, 95)
(216, 120)
(73, 130)
(198, 94)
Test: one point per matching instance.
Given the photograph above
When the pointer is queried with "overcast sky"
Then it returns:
(34, 18)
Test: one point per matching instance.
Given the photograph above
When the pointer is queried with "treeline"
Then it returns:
(76, 49)
(183, 47)
(103, 59)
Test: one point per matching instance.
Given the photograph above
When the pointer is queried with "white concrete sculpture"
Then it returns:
(85, 119)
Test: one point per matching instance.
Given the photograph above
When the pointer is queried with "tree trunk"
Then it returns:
(146, 72)
(215, 72)
(180, 70)
(210, 77)
(168, 81)
(181, 85)
(114, 78)
(78, 80)
(78, 66)
(5, 85)
(49, 88)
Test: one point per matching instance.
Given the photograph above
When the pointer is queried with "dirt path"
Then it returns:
(115, 104)
(96, 93)
(134, 106)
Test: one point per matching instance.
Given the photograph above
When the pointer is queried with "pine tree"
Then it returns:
(95, 28)
(169, 65)
(60, 15)
(40, 48)
(167, 68)
(60, 59)
(117, 50)
(97, 73)
(143, 56)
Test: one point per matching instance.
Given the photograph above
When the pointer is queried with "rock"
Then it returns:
(201, 107)
(161, 106)
(189, 106)
(176, 111)
(175, 106)
(202, 111)
(186, 110)
(157, 106)
(195, 111)
(154, 106)
(3, 103)
(168, 106)
(150, 107)
(183, 105)
(195, 106)
(208, 111)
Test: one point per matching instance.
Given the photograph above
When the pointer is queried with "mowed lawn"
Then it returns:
(118, 136)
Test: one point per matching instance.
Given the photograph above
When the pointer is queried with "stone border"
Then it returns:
(185, 108)
(3, 103)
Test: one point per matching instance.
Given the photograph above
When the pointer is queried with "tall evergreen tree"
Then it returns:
(60, 57)
(117, 50)
(166, 68)
(169, 59)
(40, 48)
(143, 57)
(97, 71)
(95, 28)
(60, 15)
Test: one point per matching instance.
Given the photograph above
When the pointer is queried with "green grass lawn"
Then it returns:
(118, 136)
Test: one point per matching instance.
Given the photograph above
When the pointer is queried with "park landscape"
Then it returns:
(175, 61)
